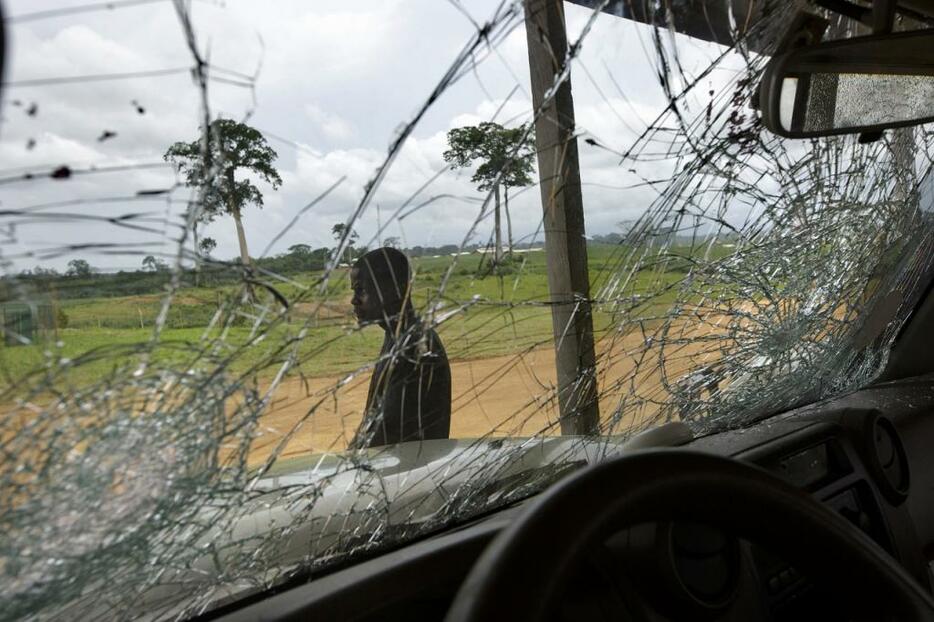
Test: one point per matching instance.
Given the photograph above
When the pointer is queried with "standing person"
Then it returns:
(410, 392)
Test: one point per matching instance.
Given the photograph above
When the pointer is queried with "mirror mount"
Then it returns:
(864, 15)
(883, 16)
(883, 21)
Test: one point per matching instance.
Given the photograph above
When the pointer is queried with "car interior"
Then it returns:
(825, 511)
(821, 512)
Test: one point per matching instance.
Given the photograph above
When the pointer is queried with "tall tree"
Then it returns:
(302, 250)
(207, 246)
(505, 157)
(79, 268)
(231, 147)
(338, 231)
(154, 265)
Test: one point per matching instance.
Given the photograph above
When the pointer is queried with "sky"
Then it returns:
(335, 82)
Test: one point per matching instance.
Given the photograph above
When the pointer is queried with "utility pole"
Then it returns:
(563, 208)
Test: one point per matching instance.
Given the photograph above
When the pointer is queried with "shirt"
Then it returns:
(409, 397)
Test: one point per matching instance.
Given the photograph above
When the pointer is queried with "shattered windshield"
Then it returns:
(286, 284)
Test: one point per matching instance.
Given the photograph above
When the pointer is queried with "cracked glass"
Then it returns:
(279, 291)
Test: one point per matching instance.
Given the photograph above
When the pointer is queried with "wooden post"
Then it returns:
(563, 207)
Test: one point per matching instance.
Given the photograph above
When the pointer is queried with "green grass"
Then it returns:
(92, 354)
(105, 335)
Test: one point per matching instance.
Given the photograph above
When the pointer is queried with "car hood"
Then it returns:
(309, 510)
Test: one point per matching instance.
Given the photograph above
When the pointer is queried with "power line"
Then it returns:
(84, 8)
(66, 172)
(103, 77)
(97, 77)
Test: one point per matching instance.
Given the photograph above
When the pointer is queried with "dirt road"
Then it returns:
(509, 395)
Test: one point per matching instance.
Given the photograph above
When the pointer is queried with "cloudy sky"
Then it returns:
(335, 81)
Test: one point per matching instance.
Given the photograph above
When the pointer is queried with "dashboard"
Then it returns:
(865, 456)
(854, 463)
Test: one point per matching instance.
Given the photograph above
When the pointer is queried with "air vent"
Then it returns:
(886, 459)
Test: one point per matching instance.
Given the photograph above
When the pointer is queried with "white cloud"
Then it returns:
(337, 80)
(332, 126)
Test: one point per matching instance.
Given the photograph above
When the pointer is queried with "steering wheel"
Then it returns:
(519, 575)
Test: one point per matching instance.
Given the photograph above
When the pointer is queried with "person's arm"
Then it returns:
(410, 399)
(426, 409)
(371, 432)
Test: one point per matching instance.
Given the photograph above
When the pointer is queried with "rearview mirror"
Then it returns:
(863, 84)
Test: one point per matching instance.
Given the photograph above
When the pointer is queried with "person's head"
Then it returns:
(380, 282)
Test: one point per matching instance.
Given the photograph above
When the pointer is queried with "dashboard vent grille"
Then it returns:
(887, 460)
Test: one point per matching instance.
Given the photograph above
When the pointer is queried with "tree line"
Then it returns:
(219, 166)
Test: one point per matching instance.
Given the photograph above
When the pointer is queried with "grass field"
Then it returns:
(496, 330)
(105, 334)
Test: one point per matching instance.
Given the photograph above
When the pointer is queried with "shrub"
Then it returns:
(61, 318)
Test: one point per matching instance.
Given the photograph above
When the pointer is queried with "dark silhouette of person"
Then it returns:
(410, 392)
